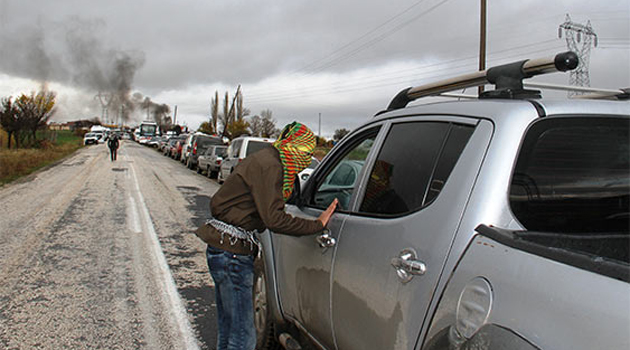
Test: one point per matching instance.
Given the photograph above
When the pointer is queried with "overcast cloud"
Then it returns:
(344, 59)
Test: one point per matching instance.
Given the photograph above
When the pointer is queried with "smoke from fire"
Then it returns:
(71, 53)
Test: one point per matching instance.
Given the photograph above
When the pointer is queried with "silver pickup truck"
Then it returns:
(495, 223)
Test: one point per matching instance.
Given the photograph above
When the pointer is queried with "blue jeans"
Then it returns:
(233, 277)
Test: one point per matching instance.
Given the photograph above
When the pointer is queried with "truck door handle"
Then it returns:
(407, 265)
(325, 240)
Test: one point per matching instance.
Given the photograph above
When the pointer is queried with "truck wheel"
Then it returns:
(265, 334)
(199, 170)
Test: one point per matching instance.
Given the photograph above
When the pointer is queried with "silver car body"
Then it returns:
(348, 295)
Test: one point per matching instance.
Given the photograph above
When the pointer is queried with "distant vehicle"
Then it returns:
(240, 148)
(147, 131)
(199, 143)
(90, 138)
(210, 160)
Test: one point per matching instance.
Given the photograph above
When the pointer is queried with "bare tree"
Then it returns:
(268, 128)
(255, 125)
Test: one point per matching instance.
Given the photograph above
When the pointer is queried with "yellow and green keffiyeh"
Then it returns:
(295, 145)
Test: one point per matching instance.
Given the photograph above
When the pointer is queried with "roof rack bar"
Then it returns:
(573, 88)
(508, 76)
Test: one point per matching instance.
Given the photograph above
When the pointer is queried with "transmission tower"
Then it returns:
(579, 39)
(105, 99)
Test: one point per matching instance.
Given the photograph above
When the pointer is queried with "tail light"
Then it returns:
(195, 148)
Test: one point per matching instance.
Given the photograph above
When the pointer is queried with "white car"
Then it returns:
(90, 139)
(306, 173)
(240, 148)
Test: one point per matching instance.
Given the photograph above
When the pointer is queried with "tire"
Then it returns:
(213, 174)
(208, 172)
(265, 333)
(199, 171)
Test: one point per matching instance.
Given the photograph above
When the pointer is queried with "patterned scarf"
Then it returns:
(295, 145)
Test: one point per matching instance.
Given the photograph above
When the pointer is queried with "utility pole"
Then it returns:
(482, 41)
(574, 33)
(175, 115)
(319, 133)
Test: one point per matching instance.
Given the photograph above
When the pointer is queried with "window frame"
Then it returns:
(434, 166)
(332, 160)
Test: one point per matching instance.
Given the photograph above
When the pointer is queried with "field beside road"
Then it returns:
(15, 163)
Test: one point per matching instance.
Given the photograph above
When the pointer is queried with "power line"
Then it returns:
(362, 36)
(376, 40)
(397, 77)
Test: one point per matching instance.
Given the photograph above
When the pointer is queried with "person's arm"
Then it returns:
(266, 189)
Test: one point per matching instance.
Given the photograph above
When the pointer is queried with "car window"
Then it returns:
(235, 148)
(341, 180)
(412, 166)
(220, 151)
(572, 178)
(255, 146)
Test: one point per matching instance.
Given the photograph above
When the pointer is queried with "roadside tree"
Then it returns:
(255, 125)
(268, 127)
(340, 133)
(238, 128)
(34, 110)
(9, 119)
(206, 128)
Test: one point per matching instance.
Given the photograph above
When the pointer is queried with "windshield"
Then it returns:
(147, 129)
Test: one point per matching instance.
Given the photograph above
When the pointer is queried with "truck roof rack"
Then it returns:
(588, 93)
(507, 78)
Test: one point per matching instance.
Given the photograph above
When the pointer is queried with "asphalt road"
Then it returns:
(97, 254)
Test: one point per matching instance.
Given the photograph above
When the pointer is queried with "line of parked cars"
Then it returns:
(210, 155)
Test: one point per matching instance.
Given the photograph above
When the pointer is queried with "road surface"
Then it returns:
(97, 254)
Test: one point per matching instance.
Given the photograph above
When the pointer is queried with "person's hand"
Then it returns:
(325, 216)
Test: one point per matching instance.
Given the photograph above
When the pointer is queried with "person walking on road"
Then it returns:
(250, 201)
(113, 144)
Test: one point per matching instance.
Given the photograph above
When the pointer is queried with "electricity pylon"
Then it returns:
(106, 100)
(579, 39)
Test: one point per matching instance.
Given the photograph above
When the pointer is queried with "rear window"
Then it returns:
(255, 146)
(572, 178)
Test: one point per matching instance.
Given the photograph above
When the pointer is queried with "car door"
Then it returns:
(304, 263)
(394, 241)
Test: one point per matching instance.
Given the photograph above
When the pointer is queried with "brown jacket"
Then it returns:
(251, 198)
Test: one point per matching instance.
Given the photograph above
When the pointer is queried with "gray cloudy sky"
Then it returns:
(344, 59)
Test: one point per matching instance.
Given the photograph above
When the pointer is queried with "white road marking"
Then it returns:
(141, 218)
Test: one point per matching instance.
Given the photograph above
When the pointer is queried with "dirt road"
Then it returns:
(97, 254)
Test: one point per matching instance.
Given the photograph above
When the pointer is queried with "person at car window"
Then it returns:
(251, 200)
(113, 144)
